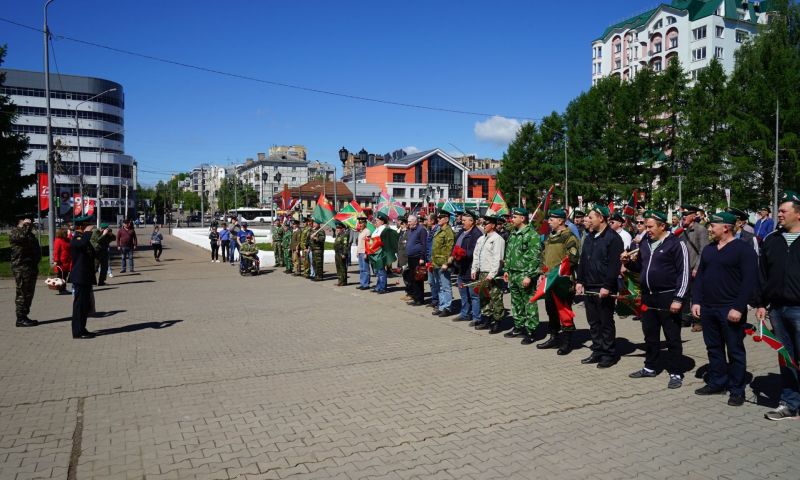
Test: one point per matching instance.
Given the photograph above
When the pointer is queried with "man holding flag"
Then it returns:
(560, 243)
(663, 262)
(382, 250)
(322, 216)
(779, 290)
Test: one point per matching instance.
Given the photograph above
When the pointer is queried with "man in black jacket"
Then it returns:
(462, 259)
(663, 262)
(82, 276)
(779, 291)
(597, 278)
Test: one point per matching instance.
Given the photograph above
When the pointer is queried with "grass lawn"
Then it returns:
(268, 246)
(5, 257)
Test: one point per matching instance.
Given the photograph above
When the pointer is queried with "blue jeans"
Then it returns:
(363, 270)
(433, 279)
(720, 335)
(232, 251)
(470, 301)
(380, 286)
(786, 324)
(445, 288)
(127, 254)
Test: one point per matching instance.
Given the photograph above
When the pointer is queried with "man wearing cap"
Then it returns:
(432, 226)
(764, 225)
(82, 276)
(361, 249)
(100, 241)
(241, 238)
(560, 243)
(317, 246)
(249, 251)
(696, 238)
(416, 251)
(382, 249)
(617, 223)
(462, 258)
(442, 246)
(663, 262)
(402, 255)
(726, 279)
(522, 266)
(341, 244)
(295, 247)
(486, 266)
(25, 256)
(598, 270)
(277, 244)
(286, 246)
(779, 292)
(739, 231)
(305, 244)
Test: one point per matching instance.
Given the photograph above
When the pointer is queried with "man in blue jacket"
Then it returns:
(663, 262)
(726, 280)
(416, 249)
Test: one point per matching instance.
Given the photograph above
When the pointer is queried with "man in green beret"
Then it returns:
(560, 243)
(317, 247)
(779, 292)
(277, 243)
(305, 248)
(100, 240)
(522, 266)
(726, 279)
(341, 245)
(25, 256)
(695, 236)
(739, 231)
(297, 233)
(442, 246)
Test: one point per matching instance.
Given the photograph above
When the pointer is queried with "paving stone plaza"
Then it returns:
(200, 373)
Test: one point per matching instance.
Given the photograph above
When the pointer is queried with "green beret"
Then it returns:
(520, 211)
(788, 196)
(490, 219)
(740, 214)
(83, 219)
(689, 208)
(656, 215)
(723, 217)
(443, 213)
(339, 224)
(618, 217)
(557, 213)
(383, 217)
(578, 213)
(103, 225)
(470, 214)
(602, 210)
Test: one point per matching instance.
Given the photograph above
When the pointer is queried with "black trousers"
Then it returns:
(603, 330)
(225, 245)
(157, 249)
(214, 251)
(81, 304)
(553, 322)
(416, 289)
(656, 318)
(101, 263)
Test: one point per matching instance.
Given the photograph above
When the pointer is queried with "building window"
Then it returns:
(699, 33)
(618, 47)
(671, 20)
(718, 53)
(673, 42)
(127, 171)
(741, 36)
(657, 66)
(617, 64)
(294, 169)
(399, 177)
(294, 179)
(699, 54)
(399, 192)
(720, 32)
(696, 73)
(658, 25)
(657, 47)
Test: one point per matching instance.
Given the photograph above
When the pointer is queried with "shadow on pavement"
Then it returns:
(65, 319)
(767, 389)
(136, 327)
(104, 288)
(109, 313)
(135, 281)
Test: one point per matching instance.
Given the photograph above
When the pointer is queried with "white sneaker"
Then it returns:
(110, 275)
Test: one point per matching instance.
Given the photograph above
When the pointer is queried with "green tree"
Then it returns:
(13, 150)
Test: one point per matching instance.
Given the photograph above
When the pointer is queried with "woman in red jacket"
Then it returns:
(61, 257)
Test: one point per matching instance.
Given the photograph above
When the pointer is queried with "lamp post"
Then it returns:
(362, 160)
(51, 217)
(680, 169)
(277, 179)
(343, 154)
(78, 141)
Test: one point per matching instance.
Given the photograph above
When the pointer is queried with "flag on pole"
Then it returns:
(630, 206)
(323, 211)
(629, 300)
(349, 215)
(764, 334)
(557, 283)
(287, 202)
(540, 214)
(498, 206)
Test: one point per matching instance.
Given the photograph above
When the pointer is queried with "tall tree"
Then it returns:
(13, 150)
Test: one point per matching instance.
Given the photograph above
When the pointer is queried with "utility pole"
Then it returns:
(777, 164)
(51, 217)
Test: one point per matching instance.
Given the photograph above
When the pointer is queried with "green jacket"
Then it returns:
(317, 241)
(100, 242)
(25, 249)
(560, 245)
(287, 239)
(522, 252)
(442, 246)
(342, 243)
(305, 232)
(248, 249)
(277, 236)
(295, 239)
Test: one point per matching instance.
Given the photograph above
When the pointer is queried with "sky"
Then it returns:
(505, 60)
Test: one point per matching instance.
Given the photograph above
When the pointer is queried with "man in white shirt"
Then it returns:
(486, 264)
(617, 222)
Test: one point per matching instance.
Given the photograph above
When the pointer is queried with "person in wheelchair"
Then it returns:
(248, 253)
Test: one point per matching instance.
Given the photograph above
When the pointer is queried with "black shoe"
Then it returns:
(642, 374)
(26, 322)
(591, 359)
(482, 326)
(475, 323)
(100, 284)
(436, 311)
(736, 400)
(565, 343)
(85, 335)
(709, 390)
(551, 342)
(515, 332)
(607, 362)
(414, 303)
(445, 313)
(527, 340)
(495, 328)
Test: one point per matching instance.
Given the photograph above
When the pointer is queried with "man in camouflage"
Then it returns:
(305, 244)
(341, 246)
(100, 240)
(317, 246)
(287, 245)
(25, 256)
(559, 244)
(487, 259)
(522, 267)
(277, 244)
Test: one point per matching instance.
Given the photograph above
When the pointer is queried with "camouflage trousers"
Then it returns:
(277, 250)
(296, 262)
(287, 259)
(25, 279)
(341, 268)
(305, 263)
(525, 313)
(318, 257)
(492, 305)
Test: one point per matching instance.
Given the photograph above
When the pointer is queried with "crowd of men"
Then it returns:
(703, 271)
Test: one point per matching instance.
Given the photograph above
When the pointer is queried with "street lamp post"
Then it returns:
(362, 159)
(51, 217)
(78, 142)
(680, 169)
(343, 154)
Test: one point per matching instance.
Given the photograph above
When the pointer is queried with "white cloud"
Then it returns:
(411, 149)
(498, 130)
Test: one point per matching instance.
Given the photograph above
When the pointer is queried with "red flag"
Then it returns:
(77, 204)
(539, 216)
(565, 314)
(44, 192)
(630, 206)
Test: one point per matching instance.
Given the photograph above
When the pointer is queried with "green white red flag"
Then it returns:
(764, 334)
(557, 282)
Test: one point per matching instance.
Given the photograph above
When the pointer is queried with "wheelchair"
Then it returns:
(249, 266)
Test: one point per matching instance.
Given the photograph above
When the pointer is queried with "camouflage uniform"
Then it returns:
(305, 242)
(249, 251)
(317, 245)
(25, 256)
(100, 244)
(295, 246)
(522, 260)
(287, 251)
(341, 247)
(277, 245)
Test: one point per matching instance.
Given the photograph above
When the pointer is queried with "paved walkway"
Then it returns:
(201, 373)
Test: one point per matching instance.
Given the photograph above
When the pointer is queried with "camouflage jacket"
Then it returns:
(443, 241)
(25, 249)
(248, 249)
(342, 243)
(100, 243)
(522, 252)
(305, 232)
(317, 240)
(277, 236)
(295, 239)
(287, 239)
(559, 245)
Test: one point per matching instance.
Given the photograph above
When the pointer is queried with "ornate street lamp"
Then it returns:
(343, 154)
